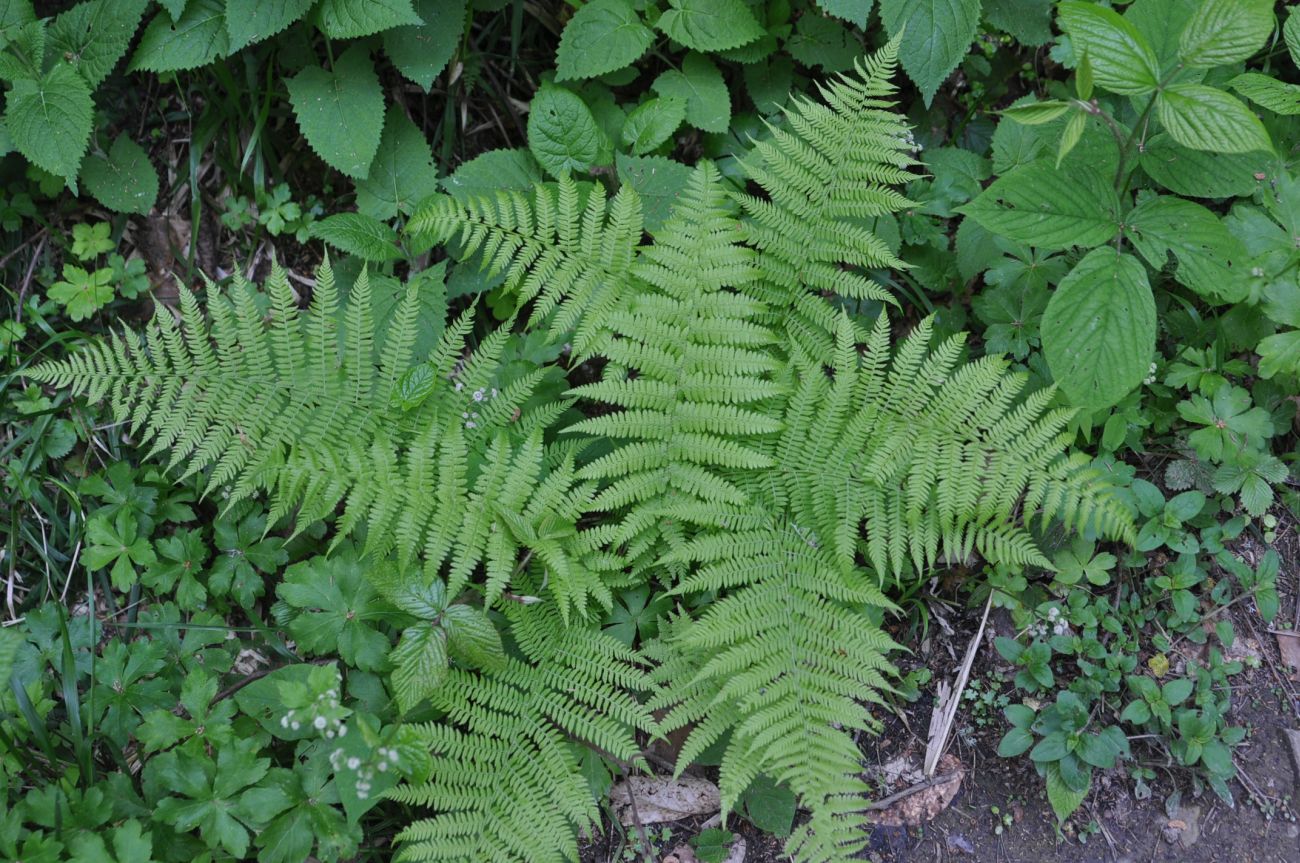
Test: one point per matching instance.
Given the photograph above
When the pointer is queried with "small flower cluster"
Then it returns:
(325, 714)
(1054, 625)
(385, 757)
(1151, 375)
(480, 395)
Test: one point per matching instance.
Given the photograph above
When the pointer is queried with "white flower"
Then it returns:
(319, 722)
(354, 762)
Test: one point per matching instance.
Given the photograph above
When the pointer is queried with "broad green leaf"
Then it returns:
(93, 36)
(658, 182)
(420, 664)
(1029, 21)
(769, 83)
(337, 609)
(175, 8)
(652, 123)
(1279, 354)
(49, 120)
(349, 19)
(249, 21)
(1200, 173)
(1037, 205)
(1161, 23)
(198, 38)
(562, 133)
(823, 43)
(1210, 259)
(710, 25)
(1064, 800)
(125, 180)
(421, 52)
(341, 111)
(1099, 329)
(601, 37)
(403, 172)
(700, 84)
(1226, 31)
(360, 235)
(472, 638)
(853, 11)
(1122, 59)
(936, 36)
(1206, 118)
(1268, 92)
(14, 14)
(1036, 113)
(1015, 742)
(1074, 129)
(769, 806)
(1291, 33)
(493, 170)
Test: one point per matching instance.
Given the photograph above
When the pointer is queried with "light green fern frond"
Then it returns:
(572, 258)
(505, 783)
(826, 177)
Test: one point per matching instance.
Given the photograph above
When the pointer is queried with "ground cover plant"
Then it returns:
(420, 419)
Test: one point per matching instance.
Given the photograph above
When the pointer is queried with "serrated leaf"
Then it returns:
(1040, 206)
(700, 85)
(49, 120)
(601, 37)
(196, 39)
(93, 36)
(1064, 800)
(769, 82)
(125, 181)
(493, 170)
(1210, 259)
(562, 133)
(1226, 31)
(249, 21)
(1122, 60)
(652, 123)
(472, 639)
(710, 25)
(853, 11)
(1206, 118)
(936, 36)
(823, 43)
(341, 111)
(349, 19)
(1268, 92)
(1099, 329)
(336, 609)
(360, 235)
(13, 15)
(421, 52)
(1029, 21)
(403, 172)
(657, 181)
(420, 664)
(1279, 354)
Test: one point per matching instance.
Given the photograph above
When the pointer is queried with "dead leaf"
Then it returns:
(1288, 644)
(662, 798)
(924, 800)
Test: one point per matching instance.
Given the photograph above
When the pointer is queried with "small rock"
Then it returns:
(1184, 828)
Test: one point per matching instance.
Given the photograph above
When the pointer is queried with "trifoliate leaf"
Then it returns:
(402, 173)
(1099, 329)
(422, 51)
(198, 38)
(710, 25)
(349, 19)
(700, 84)
(341, 111)
(49, 120)
(936, 36)
(601, 37)
(562, 133)
(125, 181)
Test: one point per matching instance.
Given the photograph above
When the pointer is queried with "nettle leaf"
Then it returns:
(853, 11)
(125, 180)
(506, 170)
(657, 181)
(562, 133)
(602, 36)
(652, 123)
(1268, 92)
(1122, 60)
(249, 21)
(338, 609)
(341, 111)
(13, 15)
(349, 19)
(49, 120)
(422, 51)
(824, 43)
(1029, 21)
(196, 39)
(1210, 259)
(1040, 206)
(710, 25)
(1206, 118)
(700, 84)
(1099, 329)
(402, 173)
(93, 36)
(1226, 31)
(360, 235)
(938, 33)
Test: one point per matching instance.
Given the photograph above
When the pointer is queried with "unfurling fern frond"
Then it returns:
(572, 258)
(826, 178)
(506, 782)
